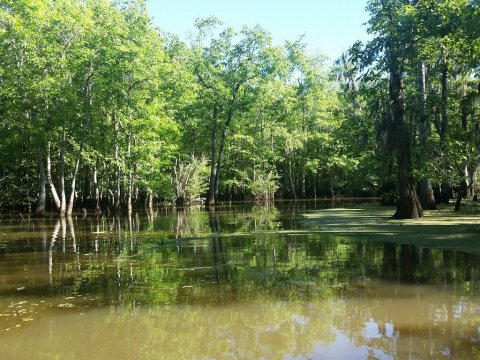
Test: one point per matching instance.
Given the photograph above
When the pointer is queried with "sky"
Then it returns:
(329, 26)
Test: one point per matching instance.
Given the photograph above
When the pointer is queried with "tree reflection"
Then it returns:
(448, 265)
(42, 231)
(316, 287)
(389, 266)
(408, 262)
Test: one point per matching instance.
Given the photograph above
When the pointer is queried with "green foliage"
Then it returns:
(430, 46)
(264, 186)
(190, 179)
(71, 70)
(95, 85)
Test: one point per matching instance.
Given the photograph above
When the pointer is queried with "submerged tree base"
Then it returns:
(408, 207)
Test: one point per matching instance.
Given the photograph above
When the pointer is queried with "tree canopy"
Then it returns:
(101, 110)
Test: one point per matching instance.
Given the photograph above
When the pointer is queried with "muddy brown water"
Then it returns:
(244, 283)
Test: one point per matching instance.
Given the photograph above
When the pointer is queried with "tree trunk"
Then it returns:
(116, 201)
(408, 205)
(290, 177)
(303, 160)
(464, 173)
(150, 200)
(130, 176)
(53, 190)
(63, 201)
(85, 123)
(216, 166)
(303, 180)
(464, 187)
(332, 188)
(210, 201)
(444, 114)
(74, 180)
(427, 195)
(98, 210)
(427, 198)
(42, 194)
(219, 162)
(445, 186)
(130, 193)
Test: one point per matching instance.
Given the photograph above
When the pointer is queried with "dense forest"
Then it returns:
(102, 111)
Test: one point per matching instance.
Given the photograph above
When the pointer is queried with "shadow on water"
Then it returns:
(331, 291)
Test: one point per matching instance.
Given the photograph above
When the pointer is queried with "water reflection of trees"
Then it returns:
(268, 255)
(250, 331)
(195, 258)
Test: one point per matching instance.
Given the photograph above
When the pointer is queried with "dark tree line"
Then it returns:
(420, 78)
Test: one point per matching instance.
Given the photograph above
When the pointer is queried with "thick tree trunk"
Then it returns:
(427, 197)
(42, 194)
(408, 205)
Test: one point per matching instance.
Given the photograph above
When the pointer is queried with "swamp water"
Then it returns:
(295, 281)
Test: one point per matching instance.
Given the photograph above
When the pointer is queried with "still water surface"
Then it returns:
(246, 282)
